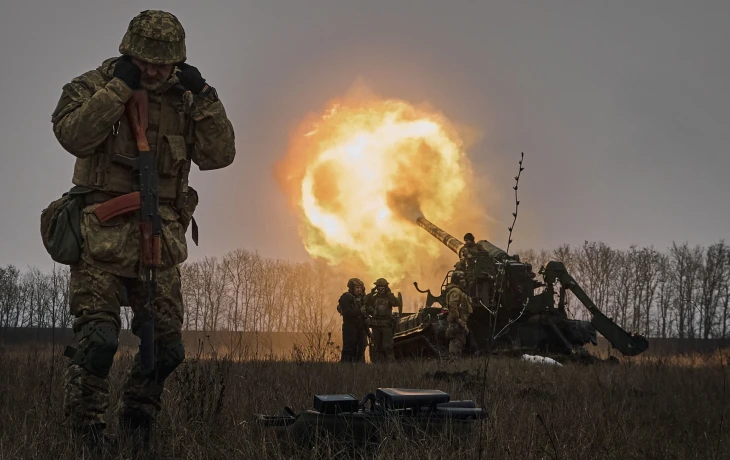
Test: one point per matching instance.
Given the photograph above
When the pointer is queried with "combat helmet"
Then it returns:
(381, 282)
(469, 237)
(156, 37)
(353, 283)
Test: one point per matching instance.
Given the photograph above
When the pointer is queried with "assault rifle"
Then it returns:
(144, 199)
(150, 225)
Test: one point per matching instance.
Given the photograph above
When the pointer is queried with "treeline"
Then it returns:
(683, 291)
(241, 291)
(246, 292)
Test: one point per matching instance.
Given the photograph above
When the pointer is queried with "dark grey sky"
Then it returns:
(622, 108)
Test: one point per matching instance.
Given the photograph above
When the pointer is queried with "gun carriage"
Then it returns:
(514, 309)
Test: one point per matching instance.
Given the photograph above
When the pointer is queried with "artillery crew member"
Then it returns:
(466, 263)
(186, 124)
(379, 306)
(354, 330)
(460, 308)
(467, 252)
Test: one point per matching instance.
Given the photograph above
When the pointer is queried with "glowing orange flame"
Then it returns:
(360, 173)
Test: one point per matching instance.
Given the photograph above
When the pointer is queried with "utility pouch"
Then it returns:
(61, 226)
(186, 213)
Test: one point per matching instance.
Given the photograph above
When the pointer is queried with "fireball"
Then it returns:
(360, 174)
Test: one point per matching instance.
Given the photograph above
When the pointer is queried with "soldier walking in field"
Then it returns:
(350, 306)
(379, 306)
(186, 124)
(460, 308)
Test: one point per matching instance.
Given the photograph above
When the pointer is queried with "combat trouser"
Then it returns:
(95, 303)
(457, 339)
(354, 341)
(382, 346)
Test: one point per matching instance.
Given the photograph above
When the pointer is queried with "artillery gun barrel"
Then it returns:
(448, 240)
(497, 253)
(454, 244)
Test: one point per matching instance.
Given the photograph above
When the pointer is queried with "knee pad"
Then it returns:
(171, 355)
(98, 343)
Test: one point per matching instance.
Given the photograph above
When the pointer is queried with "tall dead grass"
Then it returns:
(638, 408)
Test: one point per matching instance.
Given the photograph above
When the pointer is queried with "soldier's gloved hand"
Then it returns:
(128, 72)
(190, 78)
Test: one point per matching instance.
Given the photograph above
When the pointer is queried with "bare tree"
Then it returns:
(686, 265)
(214, 279)
(713, 279)
(596, 265)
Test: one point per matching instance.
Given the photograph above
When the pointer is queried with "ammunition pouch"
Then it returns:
(107, 240)
(61, 227)
(98, 343)
(174, 247)
(172, 156)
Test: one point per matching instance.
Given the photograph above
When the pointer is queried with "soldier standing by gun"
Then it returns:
(135, 124)
(460, 308)
(379, 306)
(467, 252)
(354, 331)
(466, 263)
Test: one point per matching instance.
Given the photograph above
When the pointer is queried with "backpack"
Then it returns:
(61, 227)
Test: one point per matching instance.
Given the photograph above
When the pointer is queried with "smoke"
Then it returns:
(360, 172)
(405, 206)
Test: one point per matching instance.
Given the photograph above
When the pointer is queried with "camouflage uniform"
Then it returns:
(466, 262)
(354, 338)
(466, 253)
(378, 309)
(460, 308)
(184, 128)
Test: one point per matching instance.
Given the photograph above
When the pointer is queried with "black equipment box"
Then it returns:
(332, 404)
(401, 398)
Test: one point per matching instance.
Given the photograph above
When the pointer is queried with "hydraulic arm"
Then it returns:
(628, 344)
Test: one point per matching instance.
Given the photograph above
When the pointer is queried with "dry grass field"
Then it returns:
(668, 408)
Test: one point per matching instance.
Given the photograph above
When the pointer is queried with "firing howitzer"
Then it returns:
(505, 287)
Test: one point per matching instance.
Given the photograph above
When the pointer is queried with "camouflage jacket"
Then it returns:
(350, 307)
(466, 254)
(459, 305)
(379, 308)
(89, 122)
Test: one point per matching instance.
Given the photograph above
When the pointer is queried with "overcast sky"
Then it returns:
(622, 108)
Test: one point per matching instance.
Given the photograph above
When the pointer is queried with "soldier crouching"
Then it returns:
(186, 124)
